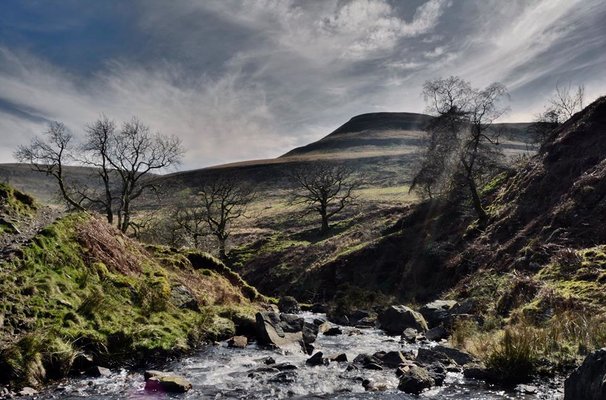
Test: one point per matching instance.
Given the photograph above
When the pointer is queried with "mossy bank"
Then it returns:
(81, 293)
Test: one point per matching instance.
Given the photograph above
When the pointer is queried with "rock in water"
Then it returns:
(289, 305)
(395, 319)
(588, 382)
(415, 380)
(279, 330)
(334, 331)
(239, 342)
(158, 381)
(317, 359)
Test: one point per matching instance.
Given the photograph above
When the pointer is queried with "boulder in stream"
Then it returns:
(159, 381)
(588, 382)
(395, 319)
(279, 330)
(238, 342)
(414, 380)
(317, 359)
(289, 305)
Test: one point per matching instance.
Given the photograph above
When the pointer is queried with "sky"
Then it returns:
(250, 79)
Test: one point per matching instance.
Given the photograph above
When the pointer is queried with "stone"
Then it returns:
(437, 372)
(429, 356)
(459, 356)
(334, 331)
(437, 311)
(182, 297)
(392, 359)
(588, 381)
(27, 391)
(279, 330)
(372, 386)
(289, 305)
(395, 319)
(159, 381)
(338, 357)
(310, 332)
(527, 389)
(317, 359)
(415, 380)
(268, 360)
(239, 342)
(436, 334)
(410, 335)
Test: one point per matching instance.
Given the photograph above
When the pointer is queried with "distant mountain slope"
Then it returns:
(388, 133)
(380, 147)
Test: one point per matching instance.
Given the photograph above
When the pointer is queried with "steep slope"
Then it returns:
(80, 293)
(548, 216)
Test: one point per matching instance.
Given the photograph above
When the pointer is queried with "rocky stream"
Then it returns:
(346, 363)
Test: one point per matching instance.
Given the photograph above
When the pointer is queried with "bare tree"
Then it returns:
(97, 151)
(323, 188)
(135, 153)
(222, 200)
(462, 143)
(563, 104)
(49, 155)
(190, 220)
(567, 101)
(123, 160)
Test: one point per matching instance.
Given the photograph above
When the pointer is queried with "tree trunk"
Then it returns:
(477, 202)
(222, 252)
(325, 226)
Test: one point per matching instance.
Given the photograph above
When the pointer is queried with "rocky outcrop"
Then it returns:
(588, 382)
(158, 381)
(395, 319)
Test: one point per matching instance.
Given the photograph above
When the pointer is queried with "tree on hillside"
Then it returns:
(219, 202)
(50, 154)
(123, 160)
(562, 105)
(462, 143)
(324, 189)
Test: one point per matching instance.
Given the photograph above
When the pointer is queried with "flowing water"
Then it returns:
(219, 372)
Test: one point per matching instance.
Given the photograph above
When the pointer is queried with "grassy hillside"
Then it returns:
(534, 278)
(79, 287)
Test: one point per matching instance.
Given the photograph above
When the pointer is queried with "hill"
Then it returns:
(534, 280)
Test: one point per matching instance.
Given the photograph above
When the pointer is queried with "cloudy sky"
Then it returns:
(247, 79)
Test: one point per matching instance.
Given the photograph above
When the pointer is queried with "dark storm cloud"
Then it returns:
(253, 78)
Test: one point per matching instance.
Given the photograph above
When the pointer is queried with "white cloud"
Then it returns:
(219, 120)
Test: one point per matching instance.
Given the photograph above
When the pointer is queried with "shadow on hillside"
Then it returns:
(313, 235)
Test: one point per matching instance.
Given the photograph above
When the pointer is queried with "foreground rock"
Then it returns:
(238, 342)
(279, 330)
(289, 305)
(395, 319)
(158, 381)
(437, 311)
(588, 382)
(414, 380)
